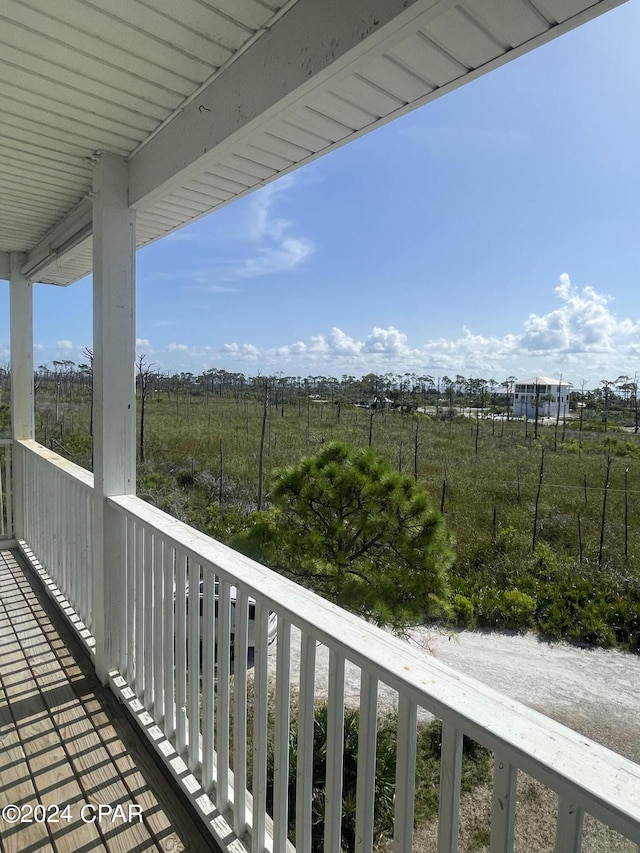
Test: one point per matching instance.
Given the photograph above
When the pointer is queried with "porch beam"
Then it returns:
(22, 390)
(300, 54)
(307, 46)
(114, 396)
(68, 233)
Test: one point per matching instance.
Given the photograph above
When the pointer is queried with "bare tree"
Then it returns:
(265, 412)
(607, 389)
(144, 377)
(87, 371)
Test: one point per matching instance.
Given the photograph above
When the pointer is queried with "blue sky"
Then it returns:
(493, 232)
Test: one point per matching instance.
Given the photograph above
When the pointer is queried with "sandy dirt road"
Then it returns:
(596, 691)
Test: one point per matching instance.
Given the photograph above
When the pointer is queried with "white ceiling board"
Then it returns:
(80, 76)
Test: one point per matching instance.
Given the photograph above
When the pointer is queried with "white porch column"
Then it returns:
(22, 399)
(114, 396)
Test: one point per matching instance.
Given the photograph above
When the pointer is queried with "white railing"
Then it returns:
(58, 522)
(6, 490)
(175, 668)
(200, 708)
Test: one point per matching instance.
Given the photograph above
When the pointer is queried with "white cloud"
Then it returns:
(582, 324)
(215, 288)
(273, 245)
(335, 350)
(582, 335)
(248, 351)
(388, 340)
(262, 243)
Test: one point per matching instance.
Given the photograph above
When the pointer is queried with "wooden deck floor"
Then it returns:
(65, 740)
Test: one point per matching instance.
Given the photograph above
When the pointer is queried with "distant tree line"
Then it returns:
(66, 380)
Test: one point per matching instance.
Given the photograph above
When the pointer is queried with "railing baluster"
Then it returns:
(49, 544)
(5, 490)
(5, 487)
(193, 664)
(260, 707)
(138, 654)
(47, 510)
(89, 575)
(35, 504)
(33, 531)
(367, 745)
(503, 810)
(51, 515)
(281, 737)
(9, 490)
(28, 493)
(40, 530)
(59, 535)
(68, 545)
(208, 630)
(450, 780)
(223, 674)
(130, 580)
(169, 641)
(64, 525)
(405, 775)
(335, 753)
(158, 636)
(68, 526)
(82, 566)
(72, 547)
(4, 479)
(240, 714)
(55, 530)
(148, 568)
(304, 781)
(181, 652)
(120, 526)
(65, 520)
(568, 827)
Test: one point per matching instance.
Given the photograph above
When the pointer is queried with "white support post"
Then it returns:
(503, 811)
(568, 827)
(22, 395)
(450, 784)
(114, 396)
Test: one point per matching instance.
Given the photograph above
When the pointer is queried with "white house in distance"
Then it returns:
(550, 395)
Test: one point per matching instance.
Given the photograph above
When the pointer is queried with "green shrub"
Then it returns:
(463, 611)
(514, 609)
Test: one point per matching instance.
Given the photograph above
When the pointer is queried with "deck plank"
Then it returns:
(48, 763)
(17, 783)
(65, 739)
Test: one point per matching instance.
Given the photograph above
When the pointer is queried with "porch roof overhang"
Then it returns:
(208, 100)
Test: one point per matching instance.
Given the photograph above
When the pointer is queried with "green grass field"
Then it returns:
(582, 580)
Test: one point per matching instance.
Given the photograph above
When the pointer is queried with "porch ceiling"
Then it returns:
(210, 99)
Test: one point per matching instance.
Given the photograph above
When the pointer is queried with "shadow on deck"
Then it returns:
(65, 740)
